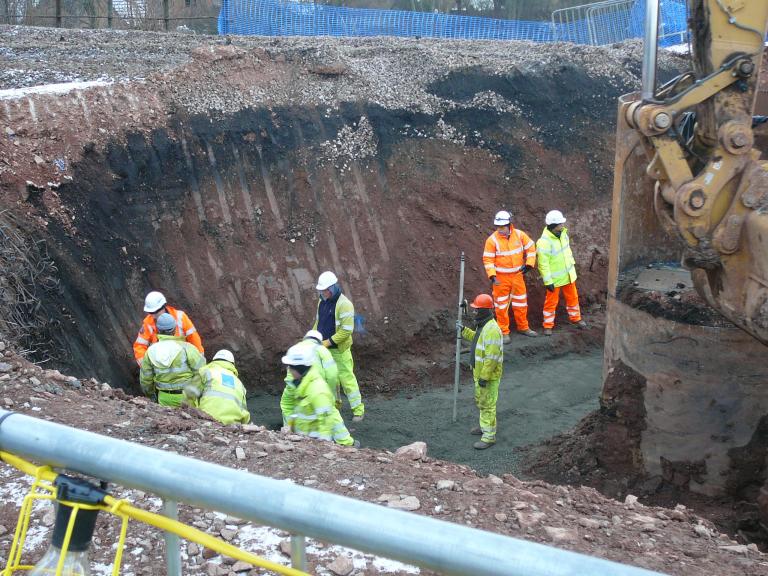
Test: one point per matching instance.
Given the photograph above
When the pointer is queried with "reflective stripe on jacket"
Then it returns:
(344, 315)
(507, 255)
(489, 352)
(222, 394)
(170, 364)
(148, 333)
(327, 368)
(556, 263)
(315, 414)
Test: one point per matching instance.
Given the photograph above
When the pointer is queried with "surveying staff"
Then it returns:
(169, 365)
(509, 253)
(335, 320)
(314, 414)
(487, 359)
(155, 304)
(558, 271)
(219, 392)
(325, 364)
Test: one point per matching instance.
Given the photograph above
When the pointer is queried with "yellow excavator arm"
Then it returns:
(711, 186)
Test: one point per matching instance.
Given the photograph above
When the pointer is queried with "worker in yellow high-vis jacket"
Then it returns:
(219, 391)
(335, 320)
(487, 359)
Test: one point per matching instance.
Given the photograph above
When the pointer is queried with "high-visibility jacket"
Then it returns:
(328, 369)
(148, 333)
(315, 414)
(344, 315)
(507, 255)
(170, 364)
(556, 263)
(488, 359)
(221, 394)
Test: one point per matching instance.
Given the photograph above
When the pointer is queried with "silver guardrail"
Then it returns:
(411, 538)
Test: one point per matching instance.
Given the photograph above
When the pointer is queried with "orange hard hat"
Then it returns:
(482, 301)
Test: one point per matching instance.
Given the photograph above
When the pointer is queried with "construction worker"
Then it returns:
(155, 304)
(335, 320)
(558, 271)
(487, 359)
(315, 413)
(170, 365)
(324, 363)
(219, 392)
(509, 254)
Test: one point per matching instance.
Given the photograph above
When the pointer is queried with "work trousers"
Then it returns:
(347, 380)
(511, 293)
(486, 398)
(172, 400)
(571, 304)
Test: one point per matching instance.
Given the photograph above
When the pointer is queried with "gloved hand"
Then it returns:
(482, 383)
(525, 269)
(551, 287)
(459, 325)
(327, 343)
(494, 282)
(464, 305)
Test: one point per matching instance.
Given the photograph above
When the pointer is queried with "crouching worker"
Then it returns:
(314, 412)
(169, 365)
(219, 392)
(487, 359)
(325, 364)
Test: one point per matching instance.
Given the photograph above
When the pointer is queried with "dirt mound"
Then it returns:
(673, 541)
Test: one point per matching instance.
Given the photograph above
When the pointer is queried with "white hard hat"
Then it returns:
(326, 280)
(298, 355)
(502, 218)
(225, 355)
(314, 334)
(154, 301)
(554, 217)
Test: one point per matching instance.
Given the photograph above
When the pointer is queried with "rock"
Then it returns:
(139, 401)
(702, 531)
(408, 503)
(221, 440)
(590, 523)
(251, 428)
(561, 535)
(736, 549)
(329, 455)
(39, 160)
(752, 547)
(529, 519)
(212, 569)
(260, 454)
(239, 453)
(648, 528)
(294, 438)
(641, 519)
(228, 534)
(630, 501)
(241, 566)
(5, 367)
(7, 402)
(415, 451)
(193, 549)
(446, 484)
(285, 547)
(49, 518)
(34, 381)
(501, 517)
(3, 530)
(341, 566)
(105, 387)
(2, 346)
(495, 480)
(176, 438)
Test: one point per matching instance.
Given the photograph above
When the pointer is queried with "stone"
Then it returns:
(501, 517)
(415, 451)
(642, 519)
(648, 528)
(561, 535)
(630, 501)
(495, 480)
(590, 523)
(5, 367)
(241, 566)
(702, 531)
(408, 503)
(228, 534)
(251, 428)
(529, 519)
(176, 438)
(193, 549)
(139, 401)
(285, 547)
(446, 484)
(34, 381)
(239, 453)
(39, 160)
(294, 438)
(2, 346)
(341, 566)
(49, 518)
(221, 440)
(212, 569)
(105, 387)
(7, 402)
(736, 549)
(3, 530)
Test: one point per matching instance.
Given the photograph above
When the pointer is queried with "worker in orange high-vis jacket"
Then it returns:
(155, 304)
(509, 254)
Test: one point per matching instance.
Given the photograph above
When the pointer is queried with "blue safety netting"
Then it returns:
(296, 18)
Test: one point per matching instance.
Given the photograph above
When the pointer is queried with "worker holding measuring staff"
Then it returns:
(509, 254)
(487, 359)
(558, 271)
(335, 320)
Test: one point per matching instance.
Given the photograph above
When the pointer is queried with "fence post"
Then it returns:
(298, 552)
(58, 13)
(172, 545)
(166, 14)
(109, 13)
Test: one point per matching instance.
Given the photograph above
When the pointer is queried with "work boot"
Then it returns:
(482, 445)
(530, 333)
(581, 325)
(356, 444)
(358, 418)
(476, 431)
(506, 339)
(547, 331)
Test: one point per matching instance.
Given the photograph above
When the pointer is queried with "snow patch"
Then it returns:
(63, 88)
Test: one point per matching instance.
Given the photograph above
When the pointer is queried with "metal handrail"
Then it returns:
(419, 540)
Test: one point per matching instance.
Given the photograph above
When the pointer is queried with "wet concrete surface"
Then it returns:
(539, 397)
